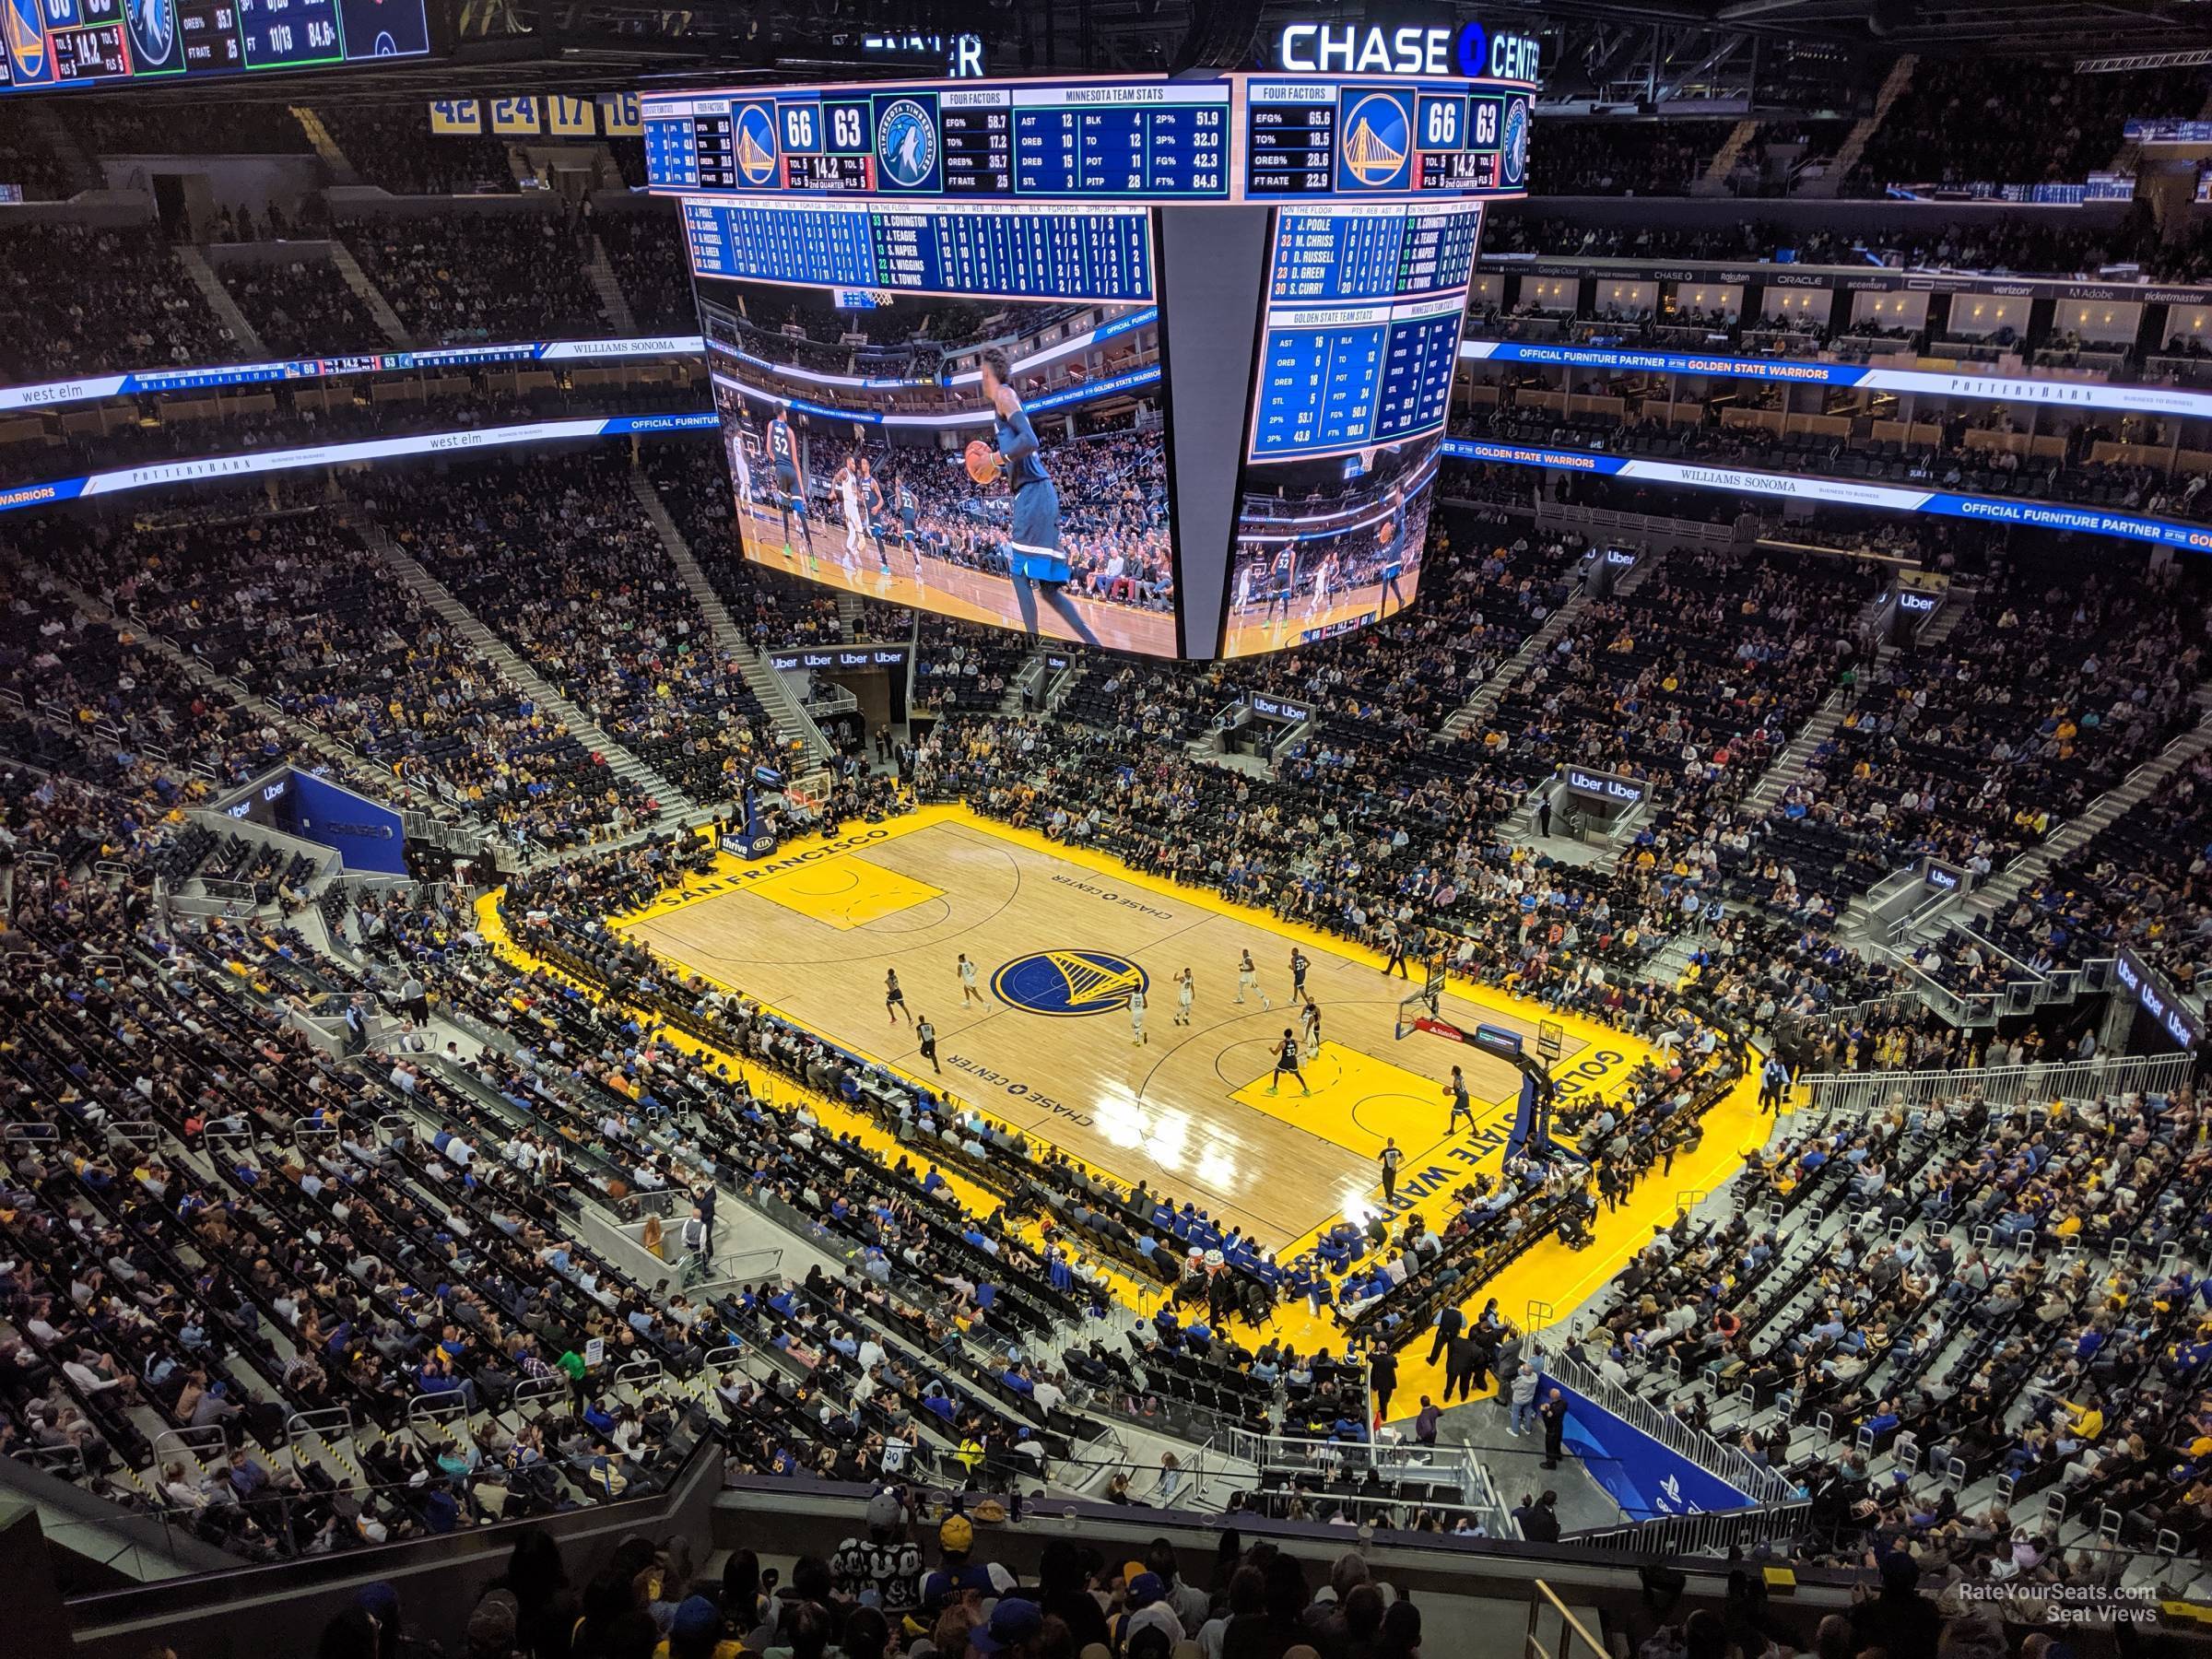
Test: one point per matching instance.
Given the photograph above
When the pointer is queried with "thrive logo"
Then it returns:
(1067, 983)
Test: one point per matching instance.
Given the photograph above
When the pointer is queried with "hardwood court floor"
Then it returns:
(1250, 631)
(1058, 935)
(968, 594)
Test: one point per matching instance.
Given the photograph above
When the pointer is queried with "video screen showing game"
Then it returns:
(1327, 545)
(1000, 462)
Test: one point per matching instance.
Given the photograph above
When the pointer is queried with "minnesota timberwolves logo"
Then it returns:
(153, 31)
(1513, 158)
(1067, 984)
(1376, 150)
(756, 143)
(906, 145)
(27, 58)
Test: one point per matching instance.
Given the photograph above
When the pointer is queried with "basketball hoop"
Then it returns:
(807, 797)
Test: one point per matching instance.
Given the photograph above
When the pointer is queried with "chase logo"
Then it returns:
(755, 133)
(1376, 151)
(1067, 983)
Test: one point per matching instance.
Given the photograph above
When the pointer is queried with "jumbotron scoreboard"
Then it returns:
(1228, 305)
(60, 43)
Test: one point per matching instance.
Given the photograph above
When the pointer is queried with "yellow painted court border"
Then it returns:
(1549, 1275)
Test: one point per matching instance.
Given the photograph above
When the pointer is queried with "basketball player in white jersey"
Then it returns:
(856, 525)
(1137, 1017)
(1248, 979)
(1325, 578)
(1309, 1017)
(1186, 993)
(966, 970)
(740, 469)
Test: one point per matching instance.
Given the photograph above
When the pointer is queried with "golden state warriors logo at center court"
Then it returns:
(1067, 984)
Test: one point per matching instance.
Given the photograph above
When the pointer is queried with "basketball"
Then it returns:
(983, 462)
(1386, 531)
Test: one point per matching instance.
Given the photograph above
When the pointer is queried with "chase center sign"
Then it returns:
(1437, 51)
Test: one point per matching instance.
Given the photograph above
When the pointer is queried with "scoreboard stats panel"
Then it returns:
(1013, 142)
(1237, 138)
(1243, 440)
(1335, 377)
(1336, 380)
(1006, 251)
(1333, 253)
(52, 43)
(1353, 138)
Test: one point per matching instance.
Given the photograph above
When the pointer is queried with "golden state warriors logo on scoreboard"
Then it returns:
(1374, 140)
(1068, 983)
(754, 132)
(29, 61)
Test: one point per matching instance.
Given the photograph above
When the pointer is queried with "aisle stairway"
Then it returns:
(219, 300)
(326, 146)
(792, 722)
(369, 294)
(1713, 181)
(54, 134)
(611, 299)
(2077, 833)
(526, 678)
(1463, 720)
(1894, 87)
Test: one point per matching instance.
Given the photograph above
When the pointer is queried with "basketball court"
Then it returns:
(1061, 937)
(949, 589)
(1250, 633)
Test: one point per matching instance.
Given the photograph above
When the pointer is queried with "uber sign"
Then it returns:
(1443, 50)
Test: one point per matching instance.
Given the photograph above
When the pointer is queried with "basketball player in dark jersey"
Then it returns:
(1393, 552)
(1280, 579)
(909, 510)
(1034, 559)
(791, 484)
(872, 508)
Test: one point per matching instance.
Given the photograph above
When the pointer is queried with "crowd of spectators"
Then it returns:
(141, 311)
(1621, 158)
(2138, 884)
(2017, 1326)
(303, 307)
(646, 250)
(520, 275)
(559, 558)
(339, 642)
(392, 146)
(769, 608)
(28, 161)
(2045, 691)
(2009, 121)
